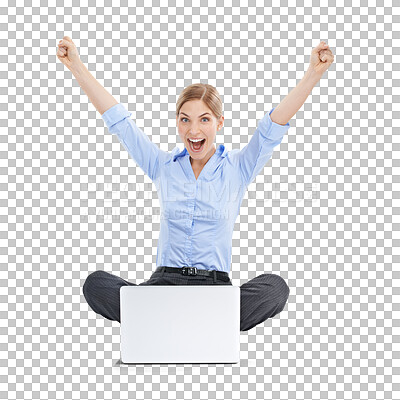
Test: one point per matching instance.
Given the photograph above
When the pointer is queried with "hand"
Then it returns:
(320, 60)
(67, 52)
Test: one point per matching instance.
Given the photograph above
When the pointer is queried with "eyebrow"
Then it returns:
(199, 115)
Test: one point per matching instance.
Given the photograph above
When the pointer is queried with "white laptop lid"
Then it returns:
(180, 324)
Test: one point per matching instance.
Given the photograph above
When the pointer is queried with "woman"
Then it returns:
(200, 188)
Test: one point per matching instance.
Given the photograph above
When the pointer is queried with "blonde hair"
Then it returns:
(204, 92)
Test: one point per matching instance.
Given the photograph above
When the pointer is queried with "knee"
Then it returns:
(90, 279)
(280, 286)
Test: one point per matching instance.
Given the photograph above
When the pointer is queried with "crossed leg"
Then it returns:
(260, 298)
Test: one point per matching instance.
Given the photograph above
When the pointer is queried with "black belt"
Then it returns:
(189, 271)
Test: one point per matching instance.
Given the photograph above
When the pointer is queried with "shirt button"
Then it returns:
(190, 237)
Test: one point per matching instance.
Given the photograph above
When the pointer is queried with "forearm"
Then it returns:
(295, 99)
(98, 95)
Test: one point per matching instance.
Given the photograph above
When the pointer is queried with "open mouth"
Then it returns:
(197, 147)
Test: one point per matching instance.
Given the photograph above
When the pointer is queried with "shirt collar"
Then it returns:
(221, 151)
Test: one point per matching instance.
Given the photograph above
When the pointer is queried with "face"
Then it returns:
(196, 121)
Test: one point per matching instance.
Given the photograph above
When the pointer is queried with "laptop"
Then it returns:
(180, 324)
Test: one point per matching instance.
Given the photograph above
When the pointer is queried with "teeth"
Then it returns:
(195, 141)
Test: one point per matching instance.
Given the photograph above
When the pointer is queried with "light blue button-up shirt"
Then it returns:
(197, 215)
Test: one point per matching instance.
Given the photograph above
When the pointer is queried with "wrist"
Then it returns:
(312, 76)
(78, 68)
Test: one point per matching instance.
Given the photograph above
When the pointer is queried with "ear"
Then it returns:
(220, 122)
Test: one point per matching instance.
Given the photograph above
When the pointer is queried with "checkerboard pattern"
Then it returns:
(323, 214)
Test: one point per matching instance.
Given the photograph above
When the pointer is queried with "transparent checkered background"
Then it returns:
(323, 214)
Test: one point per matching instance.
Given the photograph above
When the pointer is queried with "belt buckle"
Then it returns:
(189, 271)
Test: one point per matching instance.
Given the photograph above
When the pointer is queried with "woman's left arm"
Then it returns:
(320, 60)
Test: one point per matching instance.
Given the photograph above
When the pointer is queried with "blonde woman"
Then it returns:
(200, 188)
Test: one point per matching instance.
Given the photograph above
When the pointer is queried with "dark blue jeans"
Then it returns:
(260, 298)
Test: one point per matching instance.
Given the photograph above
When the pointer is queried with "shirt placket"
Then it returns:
(191, 203)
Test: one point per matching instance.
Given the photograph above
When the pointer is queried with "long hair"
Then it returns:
(204, 92)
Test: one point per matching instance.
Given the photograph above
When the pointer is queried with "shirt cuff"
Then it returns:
(115, 114)
(272, 130)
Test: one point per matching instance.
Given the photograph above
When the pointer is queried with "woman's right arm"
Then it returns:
(117, 118)
(68, 54)
(98, 95)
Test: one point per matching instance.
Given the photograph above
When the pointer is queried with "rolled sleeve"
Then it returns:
(142, 150)
(253, 157)
(271, 130)
(113, 116)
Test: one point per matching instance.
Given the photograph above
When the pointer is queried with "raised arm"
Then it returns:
(320, 60)
(275, 123)
(117, 118)
(252, 158)
(98, 95)
(68, 54)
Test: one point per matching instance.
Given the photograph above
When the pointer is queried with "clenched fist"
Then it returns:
(321, 58)
(67, 52)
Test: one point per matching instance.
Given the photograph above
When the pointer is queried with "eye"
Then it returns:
(202, 118)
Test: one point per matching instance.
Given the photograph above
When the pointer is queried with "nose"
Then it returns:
(194, 130)
(194, 127)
